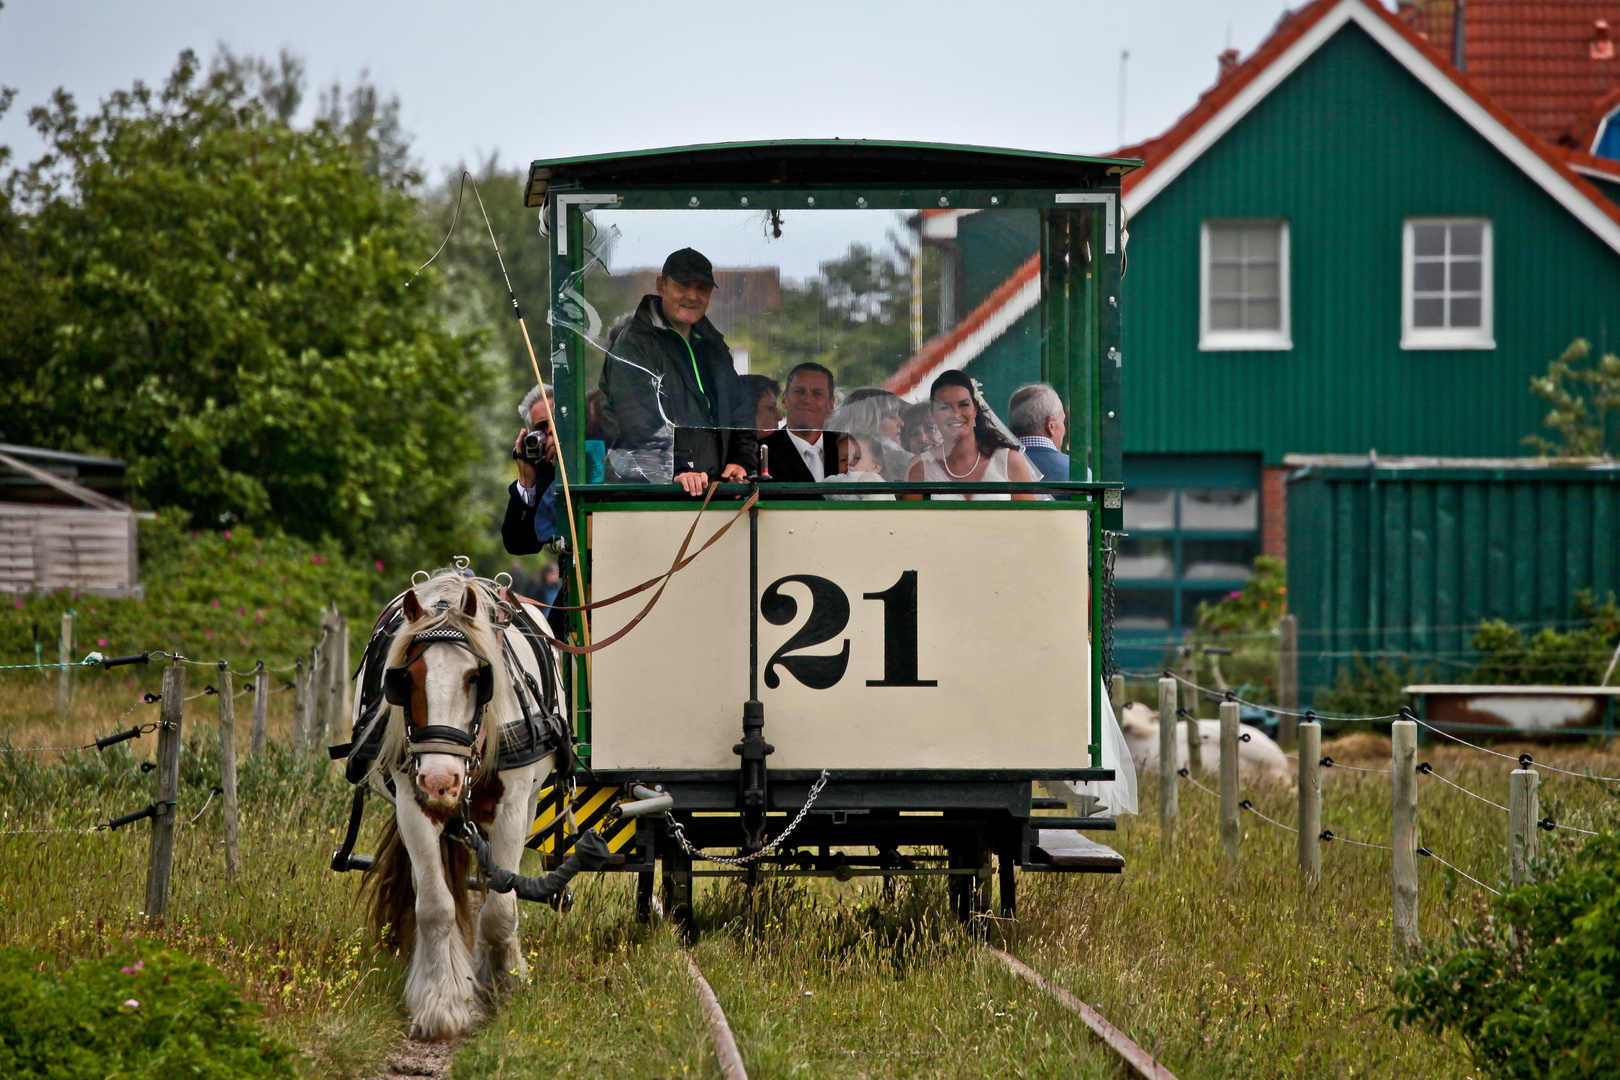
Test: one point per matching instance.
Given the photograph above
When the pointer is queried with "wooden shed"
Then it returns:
(57, 531)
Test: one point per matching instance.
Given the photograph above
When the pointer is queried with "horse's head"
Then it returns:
(442, 678)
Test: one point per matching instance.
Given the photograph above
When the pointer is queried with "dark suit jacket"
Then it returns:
(517, 529)
(789, 468)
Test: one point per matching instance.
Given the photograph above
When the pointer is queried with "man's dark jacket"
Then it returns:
(788, 467)
(517, 528)
(650, 366)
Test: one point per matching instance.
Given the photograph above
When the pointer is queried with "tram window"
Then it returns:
(1217, 560)
(1144, 609)
(1150, 508)
(883, 298)
(1220, 509)
(1145, 557)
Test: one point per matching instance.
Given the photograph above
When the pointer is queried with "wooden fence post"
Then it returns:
(261, 705)
(1169, 794)
(160, 855)
(1287, 678)
(1231, 825)
(64, 674)
(1524, 812)
(1310, 804)
(1116, 693)
(320, 690)
(227, 768)
(1189, 705)
(1403, 787)
(298, 706)
(343, 710)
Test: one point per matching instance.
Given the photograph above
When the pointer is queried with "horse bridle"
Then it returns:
(399, 686)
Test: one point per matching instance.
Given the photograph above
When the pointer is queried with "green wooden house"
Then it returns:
(1344, 247)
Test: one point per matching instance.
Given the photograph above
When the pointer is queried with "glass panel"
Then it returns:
(1225, 279)
(1428, 276)
(1219, 509)
(1150, 508)
(1263, 280)
(1145, 557)
(1429, 239)
(1466, 276)
(1262, 241)
(1468, 239)
(1144, 609)
(1465, 311)
(1226, 314)
(1264, 315)
(1225, 242)
(1429, 312)
(870, 307)
(1217, 560)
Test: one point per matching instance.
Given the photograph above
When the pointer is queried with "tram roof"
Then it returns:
(831, 163)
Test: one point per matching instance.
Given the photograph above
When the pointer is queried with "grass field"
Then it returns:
(1224, 971)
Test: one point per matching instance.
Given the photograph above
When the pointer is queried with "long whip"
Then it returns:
(534, 362)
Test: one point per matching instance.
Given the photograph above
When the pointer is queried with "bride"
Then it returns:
(973, 448)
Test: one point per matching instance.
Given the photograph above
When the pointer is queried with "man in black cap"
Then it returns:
(670, 375)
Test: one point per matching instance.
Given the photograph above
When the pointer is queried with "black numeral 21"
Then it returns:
(829, 614)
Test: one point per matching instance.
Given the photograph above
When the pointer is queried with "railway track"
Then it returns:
(1141, 1064)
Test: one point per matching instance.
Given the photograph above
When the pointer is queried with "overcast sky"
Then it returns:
(548, 79)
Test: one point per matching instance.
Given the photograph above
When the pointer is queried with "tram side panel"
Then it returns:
(911, 639)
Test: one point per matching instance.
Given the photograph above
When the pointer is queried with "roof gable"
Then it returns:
(1297, 38)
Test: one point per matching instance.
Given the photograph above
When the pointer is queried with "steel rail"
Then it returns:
(1139, 1061)
(714, 1018)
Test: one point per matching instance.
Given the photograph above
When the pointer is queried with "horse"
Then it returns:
(468, 726)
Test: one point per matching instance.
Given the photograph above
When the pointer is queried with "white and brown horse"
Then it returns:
(453, 686)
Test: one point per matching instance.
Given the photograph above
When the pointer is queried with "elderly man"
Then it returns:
(531, 504)
(1035, 415)
(670, 379)
(799, 453)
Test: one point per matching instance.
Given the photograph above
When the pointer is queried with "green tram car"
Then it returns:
(921, 662)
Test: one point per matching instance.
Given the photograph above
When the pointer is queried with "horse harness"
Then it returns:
(402, 686)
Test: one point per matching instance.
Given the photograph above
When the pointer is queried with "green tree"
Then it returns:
(194, 284)
(1582, 399)
(1244, 621)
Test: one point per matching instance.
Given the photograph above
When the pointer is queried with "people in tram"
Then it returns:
(1036, 415)
(765, 392)
(920, 432)
(798, 452)
(531, 504)
(874, 414)
(669, 383)
(859, 462)
(975, 448)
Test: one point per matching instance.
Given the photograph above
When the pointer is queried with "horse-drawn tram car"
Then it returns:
(855, 644)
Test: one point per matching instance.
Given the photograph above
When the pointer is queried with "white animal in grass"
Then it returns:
(1259, 759)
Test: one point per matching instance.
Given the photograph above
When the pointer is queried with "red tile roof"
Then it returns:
(1547, 62)
(1289, 30)
(968, 338)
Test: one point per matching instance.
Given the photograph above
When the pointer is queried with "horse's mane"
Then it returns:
(442, 596)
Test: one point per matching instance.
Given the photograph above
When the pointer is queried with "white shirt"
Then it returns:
(525, 493)
(812, 455)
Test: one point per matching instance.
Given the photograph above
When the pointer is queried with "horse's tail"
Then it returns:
(391, 911)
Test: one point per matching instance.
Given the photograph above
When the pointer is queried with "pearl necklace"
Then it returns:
(945, 461)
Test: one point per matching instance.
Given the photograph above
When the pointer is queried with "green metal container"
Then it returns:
(1406, 558)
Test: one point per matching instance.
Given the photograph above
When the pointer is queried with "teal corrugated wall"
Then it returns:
(1345, 149)
(1409, 561)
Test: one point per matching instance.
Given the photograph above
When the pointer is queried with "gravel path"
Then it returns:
(413, 1060)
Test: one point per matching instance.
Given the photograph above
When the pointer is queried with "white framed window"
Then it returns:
(1243, 291)
(1446, 278)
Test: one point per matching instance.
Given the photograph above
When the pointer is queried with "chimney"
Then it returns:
(1229, 63)
(1602, 44)
(1459, 40)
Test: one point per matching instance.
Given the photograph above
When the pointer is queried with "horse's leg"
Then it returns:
(500, 955)
(438, 983)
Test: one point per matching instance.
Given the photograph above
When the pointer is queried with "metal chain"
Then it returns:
(1110, 550)
(744, 860)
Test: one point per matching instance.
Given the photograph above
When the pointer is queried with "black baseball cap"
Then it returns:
(688, 265)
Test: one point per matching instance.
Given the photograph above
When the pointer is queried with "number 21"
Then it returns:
(829, 614)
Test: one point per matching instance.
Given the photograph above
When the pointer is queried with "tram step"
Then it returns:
(1070, 851)
(1045, 802)
(1088, 824)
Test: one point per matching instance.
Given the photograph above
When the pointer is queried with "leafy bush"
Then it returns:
(1531, 987)
(150, 1015)
(1365, 689)
(1580, 401)
(1577, 658)
(1245, 621)
(236, 594)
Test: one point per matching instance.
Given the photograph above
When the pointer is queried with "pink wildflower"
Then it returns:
(208, 633)
(216, 603)
(132, 970)
(227, 534)
(241, 611)
(131, 1003)
(314, 558)
(101, 643)
(379, 566)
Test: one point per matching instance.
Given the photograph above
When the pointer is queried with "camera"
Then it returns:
(532, 448)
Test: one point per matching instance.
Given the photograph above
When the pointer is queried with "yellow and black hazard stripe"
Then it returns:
(591, 805)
